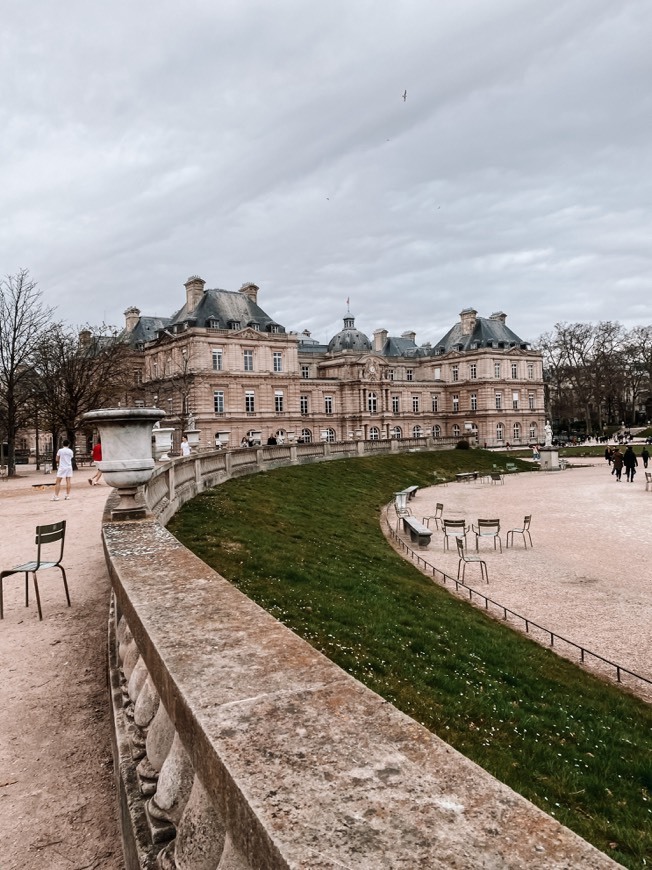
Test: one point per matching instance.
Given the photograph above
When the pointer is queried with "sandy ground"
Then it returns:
(587, 577)
(57, 806)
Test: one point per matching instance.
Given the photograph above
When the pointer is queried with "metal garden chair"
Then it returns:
(487, 529)
(465, 559)
(454, 529)
(45, 535)
(523, 531)
(439, 510)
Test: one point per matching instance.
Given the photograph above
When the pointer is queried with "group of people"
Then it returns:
(627, 460)
(64, 466)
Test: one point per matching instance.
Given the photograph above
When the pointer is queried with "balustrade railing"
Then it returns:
(240, 747)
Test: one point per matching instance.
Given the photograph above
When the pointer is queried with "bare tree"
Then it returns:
(77, 372)
(23, 319)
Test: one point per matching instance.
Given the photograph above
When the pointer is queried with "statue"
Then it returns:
(548, 430)
(191, 422)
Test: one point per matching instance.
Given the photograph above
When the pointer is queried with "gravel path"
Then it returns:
(587, 576)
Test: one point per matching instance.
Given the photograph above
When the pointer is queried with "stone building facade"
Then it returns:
(223, 367)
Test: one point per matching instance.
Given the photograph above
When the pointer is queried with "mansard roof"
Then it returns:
(147, 329)
(349, 338)
(222, 308)
(486, 332)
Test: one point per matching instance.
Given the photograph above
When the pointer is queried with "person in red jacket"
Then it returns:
(97, 457)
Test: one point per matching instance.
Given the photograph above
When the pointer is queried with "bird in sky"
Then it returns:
(404, 95)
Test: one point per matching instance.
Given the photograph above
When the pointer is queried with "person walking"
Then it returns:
(617, 460)
(645, 455)
(97, 457)
(185, 447)
(64, 470)
(630, 462)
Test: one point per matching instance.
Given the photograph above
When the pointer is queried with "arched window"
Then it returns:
(306, 436)
(396, 432)
(500, 432)
(436, 431)
(417, 432)
(330, 435)
(456, 431)
(372, 403)
(516, 432)
(374, 433)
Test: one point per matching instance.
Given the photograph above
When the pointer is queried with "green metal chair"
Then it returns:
(487, 529)
(465, 558)
(525, 530)
(437, 516)
(45, 535)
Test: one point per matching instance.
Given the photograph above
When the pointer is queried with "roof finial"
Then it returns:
(348, 309)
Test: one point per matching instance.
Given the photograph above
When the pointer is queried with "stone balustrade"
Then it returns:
(240, 747)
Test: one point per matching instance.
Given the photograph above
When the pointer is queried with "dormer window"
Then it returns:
(213, 323)
(274, 327)
(234, 324)
(253, 325)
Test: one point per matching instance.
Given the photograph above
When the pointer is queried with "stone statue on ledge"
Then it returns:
(548, 431)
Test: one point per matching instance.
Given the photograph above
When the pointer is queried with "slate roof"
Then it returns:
(146, 329)
(349, 338)
(219, 308)
(488, 332)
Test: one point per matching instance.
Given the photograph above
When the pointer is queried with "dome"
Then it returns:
(349, 338)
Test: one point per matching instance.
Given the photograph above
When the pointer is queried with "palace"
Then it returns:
(226, 370)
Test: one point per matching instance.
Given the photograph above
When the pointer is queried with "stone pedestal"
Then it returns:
(549, 459)
(193, 437)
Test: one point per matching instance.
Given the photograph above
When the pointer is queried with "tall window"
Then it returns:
(533, 431)
(374, 433)
(328, 404)
(390, 374)
(435, 403)
(303, 405)
(436, 431)
(500, 432)
(305, 372)
(306, 436)
(456, 402)
(278, 401)
(396, 432)
(473, 371)
(218, 401)
(530, 401)
(417, 432)
(474, 401)
(437, 373)
(456, 431)
(514, 370)
(329, 435)
(415, 404)
(278, 361)
(499, 401)
(217, 359)
(496, 369)
(530, 371)
(517, 431)
(396, 404)
(372, 403)
(515, 400)
(250, 402)
(455, 373)
(248, 360)
(409, 374)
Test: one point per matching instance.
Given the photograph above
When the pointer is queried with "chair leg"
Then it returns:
(26, 589)
(65, 584)
(38, 597)
(2, 613)
(483, 572)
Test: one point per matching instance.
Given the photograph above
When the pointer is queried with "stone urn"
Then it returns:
(127, 461)
(193, 436)
(162, 443)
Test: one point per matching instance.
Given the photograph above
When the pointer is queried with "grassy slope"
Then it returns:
(306, 544)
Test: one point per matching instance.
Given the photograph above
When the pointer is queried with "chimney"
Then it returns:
(250, 290)
(380, 339)
(194, 291)
(467, 318)
(409, 334)
(131, 318)
(498, 315)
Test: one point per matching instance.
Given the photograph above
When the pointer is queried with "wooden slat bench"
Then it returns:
(418, 532)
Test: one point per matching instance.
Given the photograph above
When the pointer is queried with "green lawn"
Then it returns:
(305, 543)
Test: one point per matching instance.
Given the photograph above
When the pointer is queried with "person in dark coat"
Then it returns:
(645, 455)
(617, 460)
(630, 462)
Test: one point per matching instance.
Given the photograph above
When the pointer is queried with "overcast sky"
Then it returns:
(251, 140)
